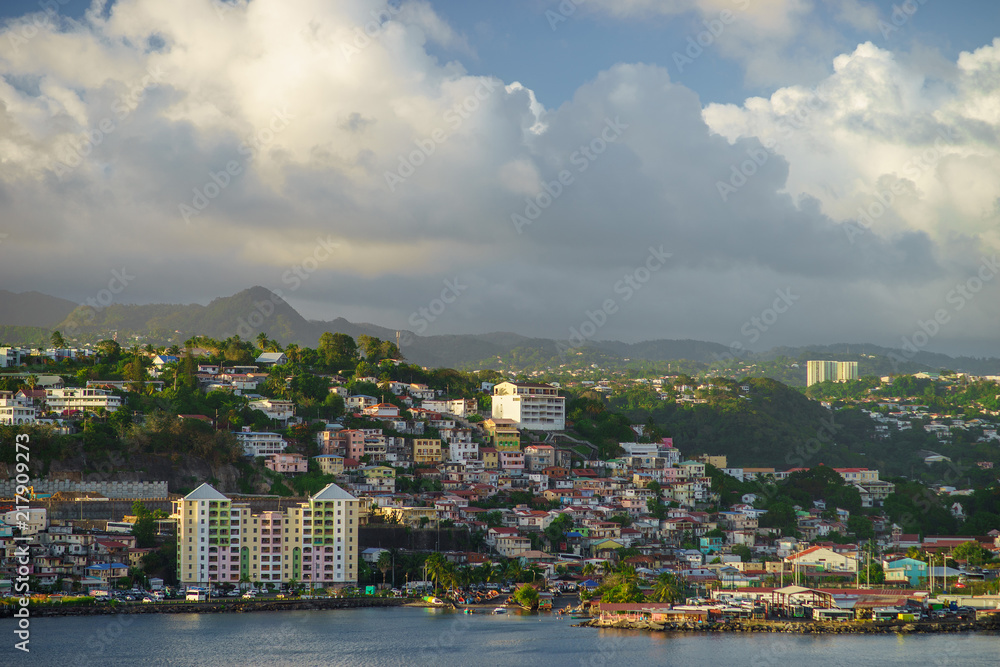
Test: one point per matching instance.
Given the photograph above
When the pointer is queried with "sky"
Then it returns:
(750, 172)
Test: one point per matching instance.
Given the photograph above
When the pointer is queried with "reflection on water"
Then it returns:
(405, 637)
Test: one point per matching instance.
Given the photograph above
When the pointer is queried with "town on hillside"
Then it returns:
(241, 469)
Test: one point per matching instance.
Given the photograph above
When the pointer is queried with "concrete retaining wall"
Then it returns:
(107, 489)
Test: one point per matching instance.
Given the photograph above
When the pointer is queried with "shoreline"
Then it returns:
(234, 607)
(802, 627)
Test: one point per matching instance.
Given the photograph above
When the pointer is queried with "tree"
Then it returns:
(861, 526)
(384, 564)
(144, 529)
(435, 566)
(527, 597)
(57, 340)
(667, 588)
(262, 340)
(109, 349)
(972, 553)
(743, 552)
(372, 347)
(337, 349)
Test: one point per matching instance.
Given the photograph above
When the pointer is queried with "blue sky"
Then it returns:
(553, 52)
(816, 146)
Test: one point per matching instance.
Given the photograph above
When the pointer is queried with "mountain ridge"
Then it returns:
(259, 310)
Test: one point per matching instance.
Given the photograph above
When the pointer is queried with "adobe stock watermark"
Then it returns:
(427, 146)
(627, 287)
(249, 148)
(714, 28)
(561, 14)
(958, 298)
(370, 31)
(34, 23)
(756, 326)
(104, 298)
(741, 172)
(293, 279)
(123, 106)
(900, 16)
(422, 317)
(581, 158)
(912, 169)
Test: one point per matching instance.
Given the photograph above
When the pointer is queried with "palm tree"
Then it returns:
(292, 352)
(262, 340)
(384, 564)
(589, 570)
(666, 589)
(513, 571)
(31, 381)
(435, 566)
(57, 340)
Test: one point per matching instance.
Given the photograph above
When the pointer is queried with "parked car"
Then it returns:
(249, 595)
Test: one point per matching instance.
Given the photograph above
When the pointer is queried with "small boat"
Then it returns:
(468, 611)
(500, 610)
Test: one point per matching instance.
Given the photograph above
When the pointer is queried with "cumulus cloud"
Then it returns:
(775, 41)
(214, 146)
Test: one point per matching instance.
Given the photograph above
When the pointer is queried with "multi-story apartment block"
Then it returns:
(16, 410)
(12, 356)
(330, 464)
(287, 463)
(78, 398)
(260, 443)
(531, 405)
(460, 407)
(830, 371)
(512, 461)
(280, 411)
(537, 457)
(314, 542)
(463, 451)
(503, 433)
(427, 451)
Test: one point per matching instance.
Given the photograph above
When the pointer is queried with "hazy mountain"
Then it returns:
(258, 309)
(32, 309)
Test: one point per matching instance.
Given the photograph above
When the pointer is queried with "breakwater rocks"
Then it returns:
(234, 607)
(804, 627)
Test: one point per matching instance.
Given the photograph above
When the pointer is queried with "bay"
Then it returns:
(403, 637)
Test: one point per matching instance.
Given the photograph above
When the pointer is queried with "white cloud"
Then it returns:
(877, 123)
(315, 107)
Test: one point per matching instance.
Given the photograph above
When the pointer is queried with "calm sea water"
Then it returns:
(406, 637)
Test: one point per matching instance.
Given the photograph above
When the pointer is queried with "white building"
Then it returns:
(531, 405)
(14, 410)
(830, 371)
(282, 411)
(12, 356)
(77, 398)
(360, 401)
(463, 451)
(260, 443)
(459, 407)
